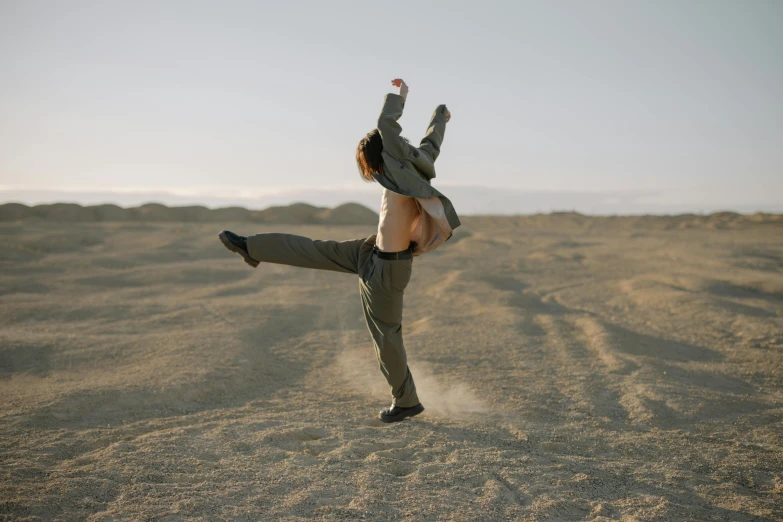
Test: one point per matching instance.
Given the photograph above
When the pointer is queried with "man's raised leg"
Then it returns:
(294, 250)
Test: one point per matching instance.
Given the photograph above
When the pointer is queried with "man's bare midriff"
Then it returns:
(400, 222)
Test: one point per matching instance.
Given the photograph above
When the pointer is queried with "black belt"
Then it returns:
(402, 254)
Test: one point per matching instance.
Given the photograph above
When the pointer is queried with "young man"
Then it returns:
(414, 219)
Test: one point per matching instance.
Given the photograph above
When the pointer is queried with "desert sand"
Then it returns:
(572, 368)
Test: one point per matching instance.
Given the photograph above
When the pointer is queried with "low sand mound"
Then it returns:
(158, 212)
(15, 211)
(64, 212)
(720, 220)
(189, 214)
(767, 219)
(151, 212)
(230, 214)
(110, 213)
(348, 214)
(297, 213)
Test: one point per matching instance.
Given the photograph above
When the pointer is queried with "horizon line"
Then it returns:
(467, 199)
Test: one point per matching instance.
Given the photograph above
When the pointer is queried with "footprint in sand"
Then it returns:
(392, 466)
(307, 434)
(396, 454)
(293, 440)
(553, 446)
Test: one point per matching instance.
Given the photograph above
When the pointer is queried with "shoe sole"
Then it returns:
(404, 415)
(233, 248)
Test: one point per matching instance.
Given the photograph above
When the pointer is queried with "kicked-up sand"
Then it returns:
(571, 369)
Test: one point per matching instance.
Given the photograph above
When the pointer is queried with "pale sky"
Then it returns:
(230, 97)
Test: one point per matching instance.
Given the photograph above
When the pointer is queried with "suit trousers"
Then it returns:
(382, 284)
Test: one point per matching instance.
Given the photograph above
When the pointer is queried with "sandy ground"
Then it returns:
(569, 373)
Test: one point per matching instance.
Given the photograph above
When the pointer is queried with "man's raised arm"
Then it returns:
(437, 128)
(387, 122)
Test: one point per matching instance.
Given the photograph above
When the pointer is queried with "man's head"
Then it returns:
(368, 155)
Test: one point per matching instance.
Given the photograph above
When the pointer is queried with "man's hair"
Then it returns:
(368, 155)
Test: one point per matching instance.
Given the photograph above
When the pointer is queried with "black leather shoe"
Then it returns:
(238, 245)
(396, 414)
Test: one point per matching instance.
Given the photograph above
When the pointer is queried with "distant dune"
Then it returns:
(717, 220)
(356, 214)
(298, 213)
(468, 200)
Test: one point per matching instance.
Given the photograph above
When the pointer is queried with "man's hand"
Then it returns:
(448, 115)
(397, 82)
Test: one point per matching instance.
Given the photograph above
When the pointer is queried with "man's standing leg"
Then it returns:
(382, 298)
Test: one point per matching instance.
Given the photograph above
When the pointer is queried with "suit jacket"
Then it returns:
(408, 170)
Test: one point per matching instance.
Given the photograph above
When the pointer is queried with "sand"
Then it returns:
(571, 368)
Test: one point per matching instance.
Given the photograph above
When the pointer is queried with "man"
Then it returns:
(414, 219)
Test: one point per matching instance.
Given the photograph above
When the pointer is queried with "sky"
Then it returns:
(234, 100)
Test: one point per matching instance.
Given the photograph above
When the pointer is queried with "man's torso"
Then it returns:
(399, 222)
